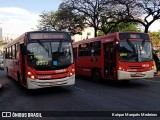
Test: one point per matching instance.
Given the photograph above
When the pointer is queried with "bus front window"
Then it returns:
(135, 52)
(49, 55)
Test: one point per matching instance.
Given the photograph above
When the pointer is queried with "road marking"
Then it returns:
(79, 89)
(150, 80)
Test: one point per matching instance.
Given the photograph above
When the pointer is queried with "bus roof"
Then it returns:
(102, 37)
(22, 36)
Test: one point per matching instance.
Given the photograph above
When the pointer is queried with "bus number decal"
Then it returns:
(43, 62)
(38, 56)
(60, 71)
(123, 54)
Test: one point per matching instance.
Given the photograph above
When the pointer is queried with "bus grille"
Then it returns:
(135, 68)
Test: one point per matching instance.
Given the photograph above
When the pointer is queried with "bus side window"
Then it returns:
(95, 48)
(17, 50)
(84, 50)
(10, 52)
(13, 51)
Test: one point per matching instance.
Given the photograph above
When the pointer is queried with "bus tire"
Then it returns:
(96, 75)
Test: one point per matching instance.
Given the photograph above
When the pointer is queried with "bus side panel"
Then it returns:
(85, 65)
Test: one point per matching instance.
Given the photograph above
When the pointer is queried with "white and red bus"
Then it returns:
(40, 59)
(117, 56)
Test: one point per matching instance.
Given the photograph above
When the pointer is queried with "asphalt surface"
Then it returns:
(85, 95)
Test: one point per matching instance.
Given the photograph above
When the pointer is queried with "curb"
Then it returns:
(0, 85)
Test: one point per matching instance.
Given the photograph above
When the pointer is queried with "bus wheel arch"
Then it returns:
(96, 74)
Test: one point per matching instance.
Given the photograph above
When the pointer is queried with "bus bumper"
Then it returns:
(124, 75)
(35, 84)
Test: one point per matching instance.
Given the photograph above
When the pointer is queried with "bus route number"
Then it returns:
(42, 62)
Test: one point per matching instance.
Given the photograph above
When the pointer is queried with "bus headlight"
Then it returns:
(121, 68)
(72, 72)
(30, 75)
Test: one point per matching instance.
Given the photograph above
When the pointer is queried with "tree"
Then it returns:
(147, 11)
(121, 27)
(70, 21)
(155, 37)
(102, 15)
(48, 21)
(92, 10)
(62, 20)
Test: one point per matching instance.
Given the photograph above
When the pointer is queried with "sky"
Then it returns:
(19, 16)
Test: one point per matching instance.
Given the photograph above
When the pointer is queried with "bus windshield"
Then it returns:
(133, 51)
(44, 55)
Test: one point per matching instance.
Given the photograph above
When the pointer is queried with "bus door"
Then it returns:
(22, 65)
(108, 60)
(75, 56)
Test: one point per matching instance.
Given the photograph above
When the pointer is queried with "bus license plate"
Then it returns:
(53, 83)
(138, 74)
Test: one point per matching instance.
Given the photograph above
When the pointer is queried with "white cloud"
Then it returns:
(15, 21)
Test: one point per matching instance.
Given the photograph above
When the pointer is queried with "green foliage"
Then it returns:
(155, 37)
(103, 15)
(120, 28)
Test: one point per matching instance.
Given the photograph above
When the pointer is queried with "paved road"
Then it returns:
(86, 95)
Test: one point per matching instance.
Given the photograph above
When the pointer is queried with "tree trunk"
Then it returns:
(146, 28)
(95, 32)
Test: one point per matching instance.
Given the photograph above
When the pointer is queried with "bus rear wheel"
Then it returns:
(96, 75)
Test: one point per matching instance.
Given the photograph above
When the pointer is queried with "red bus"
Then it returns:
(40, 59)
(117, 56)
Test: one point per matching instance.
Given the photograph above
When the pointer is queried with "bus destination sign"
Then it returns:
(123, 36)
(40, 36)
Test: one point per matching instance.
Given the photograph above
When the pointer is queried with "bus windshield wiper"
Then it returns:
(143, 42)
(45, 48)
(131, 45)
